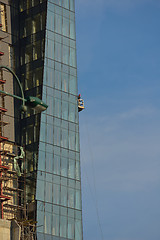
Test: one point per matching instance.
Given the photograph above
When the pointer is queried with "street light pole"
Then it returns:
(32, 102)
(18, 81)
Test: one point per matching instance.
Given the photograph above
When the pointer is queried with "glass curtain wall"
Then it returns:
(45, 61)
(58, 191)
(28, 27)
(32, 19)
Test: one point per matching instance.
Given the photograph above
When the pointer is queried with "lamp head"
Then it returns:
(36, 103)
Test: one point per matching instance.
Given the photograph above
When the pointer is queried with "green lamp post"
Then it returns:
(30, 101)
(36, 103)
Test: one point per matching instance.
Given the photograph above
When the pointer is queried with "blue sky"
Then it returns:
(118, 51)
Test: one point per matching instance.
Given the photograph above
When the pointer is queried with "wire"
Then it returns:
(94, 181)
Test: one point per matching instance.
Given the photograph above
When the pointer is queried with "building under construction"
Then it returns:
(40, 180)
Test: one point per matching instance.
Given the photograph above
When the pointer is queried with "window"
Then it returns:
(37, 76)
(72, 7)
(56, 168)
(37, 23)
(37, 50)
(43, 132)
(77, 170)
(57, 108)
(63, 226)
(65, 80)
(71, 169)
(77, 142)
(78, 199)
(28, 54)
(73, 85)
(48, 192)
(50, 48)
(3, 17)
(78, 230)
(57, 79)
(72, 30)
(50, 110)
(40, 190)
(41, 161)
(47, 222)
(40, 219)
(58, 52)
(28, 27)
(64, 166)
(29, 4)
(35, 2)
(56, 193)
(64, 138)
(65, 4)
(71, 140)
(50, 77)
(28, 80)
(73, 57)
(71, 195)
(65, 29)
(72, 112)
(71, 228)
(50, 18)
(58, 23)
(57, 136)
(30, 134)
(49, 162)
(65, 110)
(55, 224)
(65, 54)
(63, 196)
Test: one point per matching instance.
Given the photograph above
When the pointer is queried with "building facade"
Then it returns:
(44, 58)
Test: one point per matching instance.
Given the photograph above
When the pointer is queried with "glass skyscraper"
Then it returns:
(44, 58)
